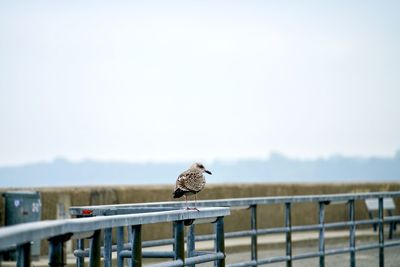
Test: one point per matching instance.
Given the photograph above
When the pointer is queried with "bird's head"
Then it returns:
(200, 167)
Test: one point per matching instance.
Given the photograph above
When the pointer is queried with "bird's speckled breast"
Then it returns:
(197, 182)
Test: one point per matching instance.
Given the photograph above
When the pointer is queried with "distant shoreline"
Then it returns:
(276, 169)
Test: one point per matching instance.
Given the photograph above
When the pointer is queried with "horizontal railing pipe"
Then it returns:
(233, 202)
(204, 258)
(175, 263)
(23, 233)
(149, 254)
(58, 232)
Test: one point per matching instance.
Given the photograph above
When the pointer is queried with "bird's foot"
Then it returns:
(187, 208)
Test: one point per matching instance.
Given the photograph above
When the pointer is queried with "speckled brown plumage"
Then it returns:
(190, 182)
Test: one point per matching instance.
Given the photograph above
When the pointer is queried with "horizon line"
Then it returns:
(271, 156)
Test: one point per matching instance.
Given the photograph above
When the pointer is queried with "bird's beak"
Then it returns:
(207, 171)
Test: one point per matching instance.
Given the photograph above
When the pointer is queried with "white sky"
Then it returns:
(184, 80)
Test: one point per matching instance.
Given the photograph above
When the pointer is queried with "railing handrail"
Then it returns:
(234, 202)
(22, 233)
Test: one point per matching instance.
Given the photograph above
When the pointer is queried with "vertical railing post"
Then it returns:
(179, 241)
(107, 247)
(381, 236)
(24, 255)
(80, 245)
(288, 225)
(136, 246)
(94, 253)
(253, 225)
(219, 240)
(56, 252)
(130, 237)
(391, 225)
(352, 234)
(120, 246)
(191, 245)
(57, 257)
(321, 222)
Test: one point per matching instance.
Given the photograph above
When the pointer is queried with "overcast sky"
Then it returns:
(204, 80)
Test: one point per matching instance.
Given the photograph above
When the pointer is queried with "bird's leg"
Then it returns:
(195, 200)
(187, 207)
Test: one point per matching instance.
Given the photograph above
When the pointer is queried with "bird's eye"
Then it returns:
(200, 166)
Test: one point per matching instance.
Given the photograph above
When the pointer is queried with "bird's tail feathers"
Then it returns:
(178, 193)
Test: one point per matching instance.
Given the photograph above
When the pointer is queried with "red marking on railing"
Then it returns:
(87, 212)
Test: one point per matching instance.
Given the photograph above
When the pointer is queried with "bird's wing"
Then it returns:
(190, 180)
(184, 181)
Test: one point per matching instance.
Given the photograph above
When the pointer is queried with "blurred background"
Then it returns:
(133, 92)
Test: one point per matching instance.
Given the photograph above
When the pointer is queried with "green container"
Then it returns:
(23, 207)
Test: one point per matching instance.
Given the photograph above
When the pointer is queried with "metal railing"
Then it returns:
(99, 229)
(252, 203)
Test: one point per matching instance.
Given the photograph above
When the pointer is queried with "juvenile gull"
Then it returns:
(190, 182)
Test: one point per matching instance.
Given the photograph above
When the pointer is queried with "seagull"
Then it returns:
(191, 182)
